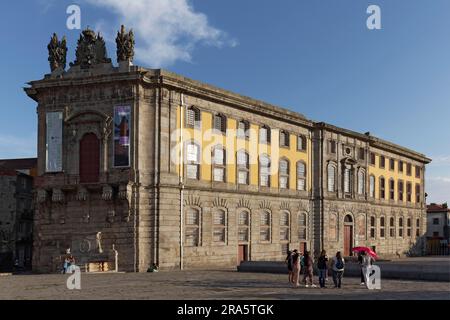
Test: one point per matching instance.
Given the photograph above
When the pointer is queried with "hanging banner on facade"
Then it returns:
(54, 142)
(122, 141)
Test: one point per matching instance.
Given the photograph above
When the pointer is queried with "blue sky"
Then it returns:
(314, 57)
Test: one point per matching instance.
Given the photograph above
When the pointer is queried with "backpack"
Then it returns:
(339, 264)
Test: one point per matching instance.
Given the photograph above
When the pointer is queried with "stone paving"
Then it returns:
(204, 285)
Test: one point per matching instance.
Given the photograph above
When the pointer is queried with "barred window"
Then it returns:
(264, 135)
(264, 168)
(372, 186)
(192, 232)
(193, 161)
(284, 139)
(243, 130)
(220, 123)
(284, 174)
(219, 222)
(361, 182)
(301, 176)
(382, 227)
(244, 224)
(331, 178)
(409, 227)
(301, 143)
(193, 117)
(418, 228)
(219, 164)
(302, 226)
(400, 227)
(392, 228)
(372, 227)
(265, 226)
(243, 167)
(284, 226)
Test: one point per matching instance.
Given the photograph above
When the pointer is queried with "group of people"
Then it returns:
(299, 263)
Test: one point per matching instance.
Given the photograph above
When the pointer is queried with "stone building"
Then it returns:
(16, 213)
(438, 221)
(242, 180)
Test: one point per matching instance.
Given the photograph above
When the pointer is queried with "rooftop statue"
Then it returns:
(91, 50)
(125, 45)
(57, 53)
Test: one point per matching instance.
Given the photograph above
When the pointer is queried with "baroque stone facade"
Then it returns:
(112, 189)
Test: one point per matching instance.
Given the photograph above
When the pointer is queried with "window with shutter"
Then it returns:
(331, 178)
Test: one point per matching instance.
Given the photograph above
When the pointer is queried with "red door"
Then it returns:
(348, 240)
(89, 159)
(242, 255)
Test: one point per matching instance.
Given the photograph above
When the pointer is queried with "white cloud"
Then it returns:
(166, 31)
(441, 160)
(18, 147)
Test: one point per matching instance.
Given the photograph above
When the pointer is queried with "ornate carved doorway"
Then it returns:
(89, 159)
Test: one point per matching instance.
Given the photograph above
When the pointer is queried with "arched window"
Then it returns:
(382, 227)
(301, 176)
(193, 117)
(243, 167)
(284, 226)
(392, 227)
(372, 227)
(243, 130)
(372, 186)
(361, 182)
(264, 135)
(409, 228)
(400, 227)
(301, 143)
(244, 226)
(302, 226)
(264, 171)
(331, 177)
(382, 188)
(284, 174)
(220, 123)
(193, 161)
(192, 232)
(89, 159)
(265, 226)
(220, 226)
(219, 164)
(284, 138)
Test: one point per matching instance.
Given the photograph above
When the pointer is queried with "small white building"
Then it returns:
(438, 222)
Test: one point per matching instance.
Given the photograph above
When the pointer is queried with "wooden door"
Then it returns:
(348, 240)
(242, 255)
(89, 159)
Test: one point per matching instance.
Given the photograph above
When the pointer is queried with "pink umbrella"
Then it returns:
(366, 250)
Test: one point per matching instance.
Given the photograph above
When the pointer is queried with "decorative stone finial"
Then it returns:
(125, 45)
(57, 52)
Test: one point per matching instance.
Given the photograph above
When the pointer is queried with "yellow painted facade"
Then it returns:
(396, 175)
(208, 139)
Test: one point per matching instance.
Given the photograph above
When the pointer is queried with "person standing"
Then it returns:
(322, 265)
(338, 265)
(365, 262)
(289, 266)
(309, 265)
(295, 268)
